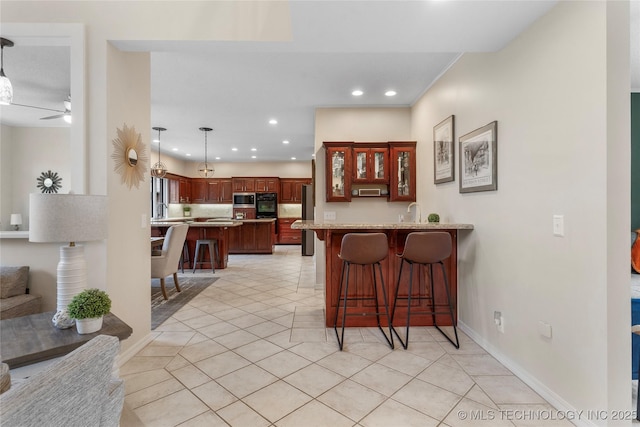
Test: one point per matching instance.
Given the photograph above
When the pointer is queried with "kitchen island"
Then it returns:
(201, 228)
(331, 235)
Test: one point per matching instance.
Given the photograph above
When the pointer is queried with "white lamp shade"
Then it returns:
(16, 219)
(67, 217)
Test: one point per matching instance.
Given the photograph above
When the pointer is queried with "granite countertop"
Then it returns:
(227, 223)
(312, 225)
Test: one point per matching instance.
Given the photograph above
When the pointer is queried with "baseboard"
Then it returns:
(579, 416)
(125, 356)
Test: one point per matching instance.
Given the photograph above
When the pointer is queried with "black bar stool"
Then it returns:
(184, 257)
(425, 248)
(362, 249)
(212, 244)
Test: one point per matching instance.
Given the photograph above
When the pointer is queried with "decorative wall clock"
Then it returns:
(129, 155)
(49, 182)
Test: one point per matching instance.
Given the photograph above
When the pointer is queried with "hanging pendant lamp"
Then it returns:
(158, 170)
(6, 90)
(205, 169)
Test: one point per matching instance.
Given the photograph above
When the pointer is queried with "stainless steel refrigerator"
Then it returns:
(307, 213)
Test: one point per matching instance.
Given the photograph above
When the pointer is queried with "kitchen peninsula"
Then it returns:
(234, 236)
(331, 235)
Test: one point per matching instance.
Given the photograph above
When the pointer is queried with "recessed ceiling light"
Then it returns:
(273, 122)
(234, 149)
(188, 154)
(390, 93)
(254, 149)
(285, 141)
(156, 140)
(357, 92)
(253, 157)
(174, 149)
(218, 158)
(293, 158)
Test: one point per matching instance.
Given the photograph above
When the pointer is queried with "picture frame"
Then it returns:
(478, 153)
(444, 151)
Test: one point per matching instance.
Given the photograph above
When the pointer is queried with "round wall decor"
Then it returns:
(129, 155)
(49, 182)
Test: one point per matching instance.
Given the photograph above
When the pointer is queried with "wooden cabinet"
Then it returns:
(287, 236)
(179, 189)
(241, 185)
(371, 163)
(402, 185)
(219, 191)
(291, 189)
(267, 185)
(338, 171)
(253, 237)
(249, 213)
(199, 190)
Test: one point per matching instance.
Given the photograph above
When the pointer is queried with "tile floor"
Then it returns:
(252, 350)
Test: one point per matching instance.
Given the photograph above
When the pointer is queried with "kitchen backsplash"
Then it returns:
(289, 210)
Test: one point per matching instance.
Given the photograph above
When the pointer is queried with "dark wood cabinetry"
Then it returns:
(267, 185)
(243, 184)
(291, 189)
(214, 190)
(179, 189)
(287, 236)
(254, 237)
(355, 169)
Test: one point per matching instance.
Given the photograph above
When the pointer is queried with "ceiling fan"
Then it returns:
(64, 114)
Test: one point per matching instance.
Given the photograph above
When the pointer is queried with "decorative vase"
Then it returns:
(89, 326)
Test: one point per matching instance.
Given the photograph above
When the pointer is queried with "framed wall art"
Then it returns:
(479, 159)
(129, 156)
(443, 151)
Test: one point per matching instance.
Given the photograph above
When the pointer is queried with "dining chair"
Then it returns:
(166, 262)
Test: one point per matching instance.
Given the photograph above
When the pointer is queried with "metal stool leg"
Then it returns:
(345, 270)
(386, 304)
(195, 256)
(453, 320)
(212, 256)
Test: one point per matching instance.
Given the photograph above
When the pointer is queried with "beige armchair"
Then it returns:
(166, 262)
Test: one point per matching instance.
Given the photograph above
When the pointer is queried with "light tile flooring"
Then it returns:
(252, 350)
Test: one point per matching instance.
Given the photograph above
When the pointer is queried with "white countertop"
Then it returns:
(313, 225)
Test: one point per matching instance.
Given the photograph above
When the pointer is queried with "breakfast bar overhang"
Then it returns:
(331, 235)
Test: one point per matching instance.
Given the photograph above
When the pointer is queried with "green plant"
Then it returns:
(433, 217)
(186, 208)
(88, 304)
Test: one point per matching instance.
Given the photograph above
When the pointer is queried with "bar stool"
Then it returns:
(362, 249)
(425, 248)
(213, 245)
(184, 256)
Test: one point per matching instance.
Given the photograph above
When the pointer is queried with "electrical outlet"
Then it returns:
(544, 329)
(499, 321)
(330, 216)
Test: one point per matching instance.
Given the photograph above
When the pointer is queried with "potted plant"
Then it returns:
(88, 307)
(186, 210)
(433, 217)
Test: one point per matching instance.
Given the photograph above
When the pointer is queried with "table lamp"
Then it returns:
(68, 218)
(16, 221)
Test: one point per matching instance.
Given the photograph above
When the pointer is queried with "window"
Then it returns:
(159, 197)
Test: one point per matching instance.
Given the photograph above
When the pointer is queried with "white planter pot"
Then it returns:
(89, 326)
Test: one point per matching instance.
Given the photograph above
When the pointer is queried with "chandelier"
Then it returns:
(158, 170)
(205, 169)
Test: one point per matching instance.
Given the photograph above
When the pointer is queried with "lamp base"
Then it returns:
(72, 279)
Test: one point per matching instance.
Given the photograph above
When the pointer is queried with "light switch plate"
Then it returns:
(558, 225)
(331, 216)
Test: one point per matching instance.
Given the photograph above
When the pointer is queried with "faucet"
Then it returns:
(159, 209)
(418, 215)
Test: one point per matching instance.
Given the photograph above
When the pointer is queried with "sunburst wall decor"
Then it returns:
(130, 157)
(49, 182)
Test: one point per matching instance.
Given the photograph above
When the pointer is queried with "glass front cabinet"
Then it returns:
(338, 171)
(371, 163)
(402, 186)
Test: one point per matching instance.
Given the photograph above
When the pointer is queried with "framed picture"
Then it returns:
(479, 159)
(443, 152)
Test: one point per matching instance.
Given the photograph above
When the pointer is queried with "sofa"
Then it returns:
(15, 299)
(79, 389)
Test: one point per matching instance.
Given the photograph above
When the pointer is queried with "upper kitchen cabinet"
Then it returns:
(241, 185)
(267, 185)
(370, 163)
(291, 189)
(403, 171)
(179, 189)
(219, 190)
(338, 171)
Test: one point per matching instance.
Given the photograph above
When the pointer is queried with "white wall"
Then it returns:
(293, 169)
(26, 154)
(548, 90)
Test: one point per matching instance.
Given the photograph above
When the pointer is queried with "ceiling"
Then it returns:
(237, 87)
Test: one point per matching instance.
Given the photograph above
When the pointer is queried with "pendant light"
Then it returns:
(205, 169)
(6, 90)
(159, 169)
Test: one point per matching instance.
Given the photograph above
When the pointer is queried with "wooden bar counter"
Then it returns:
(331, 235)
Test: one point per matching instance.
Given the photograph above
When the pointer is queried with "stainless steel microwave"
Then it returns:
(244, 200)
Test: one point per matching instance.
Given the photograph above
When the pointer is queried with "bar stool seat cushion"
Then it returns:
(364, 248)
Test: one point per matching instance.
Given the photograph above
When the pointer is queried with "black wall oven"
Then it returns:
(244, 200)
(266, 205)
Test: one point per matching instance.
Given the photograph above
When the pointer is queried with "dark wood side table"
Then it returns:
(31, 339)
